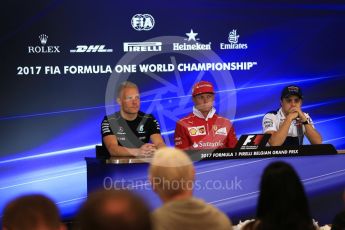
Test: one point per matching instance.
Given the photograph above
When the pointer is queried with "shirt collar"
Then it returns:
(281, 113)
(210, 114)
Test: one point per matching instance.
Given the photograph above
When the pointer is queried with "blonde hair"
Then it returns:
(123, 85)
(171, 171)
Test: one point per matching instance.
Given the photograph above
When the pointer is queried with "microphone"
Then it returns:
(300, 133)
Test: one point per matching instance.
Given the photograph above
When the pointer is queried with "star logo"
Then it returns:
(192, 36)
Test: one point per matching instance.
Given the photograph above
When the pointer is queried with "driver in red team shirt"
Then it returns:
(204, 129)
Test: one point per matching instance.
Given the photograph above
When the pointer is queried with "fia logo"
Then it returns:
(142, 22)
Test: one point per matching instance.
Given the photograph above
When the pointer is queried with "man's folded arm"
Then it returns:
(312, 134)
(115, 149)
(157, 140)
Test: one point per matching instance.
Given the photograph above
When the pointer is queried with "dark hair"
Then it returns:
(30, 212)
(282, 201)
(338, 222)
(113, 209)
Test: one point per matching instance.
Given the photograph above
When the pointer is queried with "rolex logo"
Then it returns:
(43, 48)
(43, 38)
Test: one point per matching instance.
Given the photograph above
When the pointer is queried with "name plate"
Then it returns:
(264, 152)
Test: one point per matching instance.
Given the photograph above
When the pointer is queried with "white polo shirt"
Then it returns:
(273, 120)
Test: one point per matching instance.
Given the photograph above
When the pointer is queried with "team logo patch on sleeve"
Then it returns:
(268, 123)
(197, 131)
(106, 127)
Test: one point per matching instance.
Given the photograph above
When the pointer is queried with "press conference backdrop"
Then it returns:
(61, 62)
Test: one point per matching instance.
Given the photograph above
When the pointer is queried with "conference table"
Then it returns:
(231, 182)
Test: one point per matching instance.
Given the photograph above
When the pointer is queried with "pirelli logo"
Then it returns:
(142, 46)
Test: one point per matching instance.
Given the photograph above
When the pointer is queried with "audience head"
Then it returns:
(31, 212)
(338, 222)
(171, 173)
(113, 209)
(282, 201)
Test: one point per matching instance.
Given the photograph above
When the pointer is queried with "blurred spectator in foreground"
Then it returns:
(31, 212)
(172, 177)
(339, 220)
(113, 209)
(282, 201)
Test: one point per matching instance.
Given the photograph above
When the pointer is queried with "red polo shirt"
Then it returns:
(197, 132)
